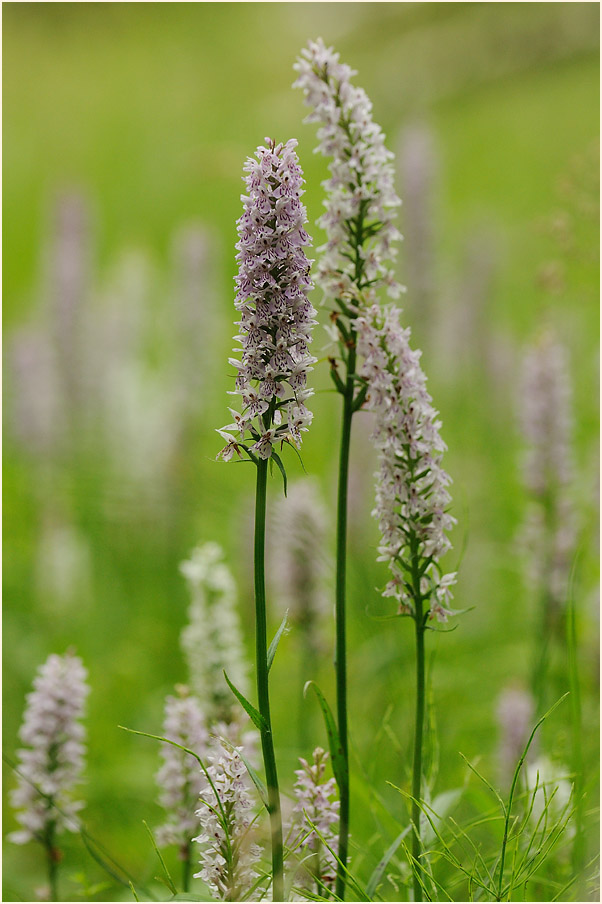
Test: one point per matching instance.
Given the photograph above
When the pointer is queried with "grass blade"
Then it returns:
(339, 764)
(274, 644)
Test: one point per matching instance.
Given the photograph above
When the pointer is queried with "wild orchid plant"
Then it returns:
(314, 826)
(51, 763)
(206, 715)
(275, 324)
(179, 779)
(355, 263)
(548, 534)
(411, 500)
(228, 851)
(377, 370)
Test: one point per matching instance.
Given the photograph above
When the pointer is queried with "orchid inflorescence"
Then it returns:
(51, 763)
(360, 194)
(411, 487)
(276, 316)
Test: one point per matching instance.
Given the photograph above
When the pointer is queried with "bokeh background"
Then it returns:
(125, 130)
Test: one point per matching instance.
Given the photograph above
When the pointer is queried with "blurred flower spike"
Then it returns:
(51, 763)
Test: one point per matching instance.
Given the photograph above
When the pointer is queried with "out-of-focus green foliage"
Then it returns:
(148, 111)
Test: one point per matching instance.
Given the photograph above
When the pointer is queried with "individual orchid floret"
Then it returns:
(315, 824)
(51, 763)
(276, 316)
(212, 639)
(179, 779)
(361, 199)
(411, 488)
(228, 852)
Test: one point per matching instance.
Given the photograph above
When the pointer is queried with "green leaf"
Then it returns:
(382, 864)
(339, 765)
(168, 881)
(360, 398)
(274, 644)
(362, 894)
(485, 782)
(253, 713)
(337, 380)
(275, 457)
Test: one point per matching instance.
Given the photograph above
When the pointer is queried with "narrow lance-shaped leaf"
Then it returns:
(339, 765)
(274, 644)
(253, 713)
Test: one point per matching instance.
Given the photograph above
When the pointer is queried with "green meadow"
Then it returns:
(146, 113)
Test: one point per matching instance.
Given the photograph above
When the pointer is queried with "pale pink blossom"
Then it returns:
(276, 317)
(412, 498)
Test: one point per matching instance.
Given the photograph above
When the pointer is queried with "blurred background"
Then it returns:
(125, 130)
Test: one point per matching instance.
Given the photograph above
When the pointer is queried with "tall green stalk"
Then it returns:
(52, 861)
(341, 634)
(417, 764)
(185, 854)
(261, 648)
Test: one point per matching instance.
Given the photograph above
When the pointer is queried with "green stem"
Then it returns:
(341, 648)
(52, 861)
(263, 697)
(185, 854)
(418, 731)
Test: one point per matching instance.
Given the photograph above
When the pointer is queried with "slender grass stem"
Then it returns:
(341, 640)
(418, 734)
(267, 743)
(578, 852)
(508, 807)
